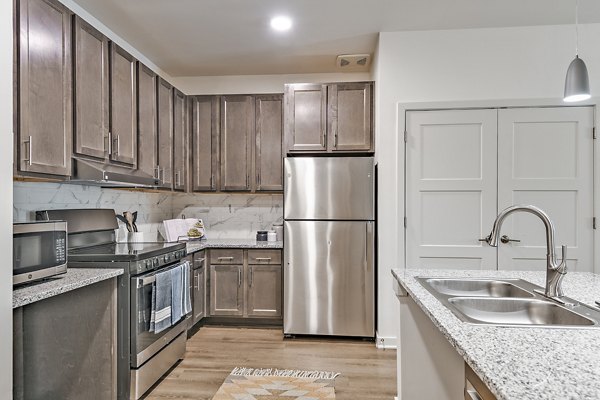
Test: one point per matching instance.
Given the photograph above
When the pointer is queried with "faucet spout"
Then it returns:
(555, 271)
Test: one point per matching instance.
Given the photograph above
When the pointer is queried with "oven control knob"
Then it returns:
(155, 262)
(148, 264)
(165, 259)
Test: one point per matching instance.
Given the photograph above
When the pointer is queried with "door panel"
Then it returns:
(147, 129)
(179, 140)
(546, 159)
(165, 133)
(328, 278)
(123, 106)
(269, 136)
(450, 188)
(91, 91)
(237, 132)
(204, 137)
(306, 117)
(349, 117)
(45, 88)
(264, 291)
(329, 188)
(226, 291)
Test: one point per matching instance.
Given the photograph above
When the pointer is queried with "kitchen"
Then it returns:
(408, 75)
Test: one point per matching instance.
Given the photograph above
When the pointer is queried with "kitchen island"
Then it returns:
(523, 363)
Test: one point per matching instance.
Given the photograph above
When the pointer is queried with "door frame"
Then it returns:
(403, 108)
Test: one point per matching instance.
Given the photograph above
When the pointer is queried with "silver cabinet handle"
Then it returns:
(239, 277)
(251, 277)
(157, 172)
(335, 140)
(110, 143)
(116, 139)
(29, 142)
(472, 395)
(225, 258)
(196, 281)
(506, 239)
(263, 258)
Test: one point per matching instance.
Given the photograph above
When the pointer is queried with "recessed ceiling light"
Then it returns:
(281, 23)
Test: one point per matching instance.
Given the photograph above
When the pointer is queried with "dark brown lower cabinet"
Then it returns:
(245, 283)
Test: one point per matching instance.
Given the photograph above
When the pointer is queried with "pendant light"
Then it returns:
(577, 83)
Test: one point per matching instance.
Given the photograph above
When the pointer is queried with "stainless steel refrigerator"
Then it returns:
(329, 246)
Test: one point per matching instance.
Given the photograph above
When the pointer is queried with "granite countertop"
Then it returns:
(194, 246)
(75, 278)
(520, 363)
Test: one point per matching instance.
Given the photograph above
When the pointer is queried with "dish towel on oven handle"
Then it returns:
(162, 290)
(181, 300)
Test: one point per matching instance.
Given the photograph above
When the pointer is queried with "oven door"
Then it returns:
(145, 344)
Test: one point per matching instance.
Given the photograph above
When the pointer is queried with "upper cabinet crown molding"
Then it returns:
(45, 103)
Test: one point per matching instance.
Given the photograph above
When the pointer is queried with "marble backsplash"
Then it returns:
(231, 216)
(235, 216)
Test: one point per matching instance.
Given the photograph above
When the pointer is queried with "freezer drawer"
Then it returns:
(329, 188)
(329, 278)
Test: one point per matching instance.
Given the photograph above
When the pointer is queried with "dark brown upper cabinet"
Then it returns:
(165, 133)
(349, 117)
(269, 135)
(91, 91)
(179, 140)
(147, 121)
(237, 132)
(334, 117)
(123, 107)
(306, 117)
(205, 143)
(45, 103)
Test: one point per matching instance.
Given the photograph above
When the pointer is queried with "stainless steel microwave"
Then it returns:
(39, 250)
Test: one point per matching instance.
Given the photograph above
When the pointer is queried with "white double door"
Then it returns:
(464, 166)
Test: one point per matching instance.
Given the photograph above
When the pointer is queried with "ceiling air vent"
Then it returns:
(353, 61)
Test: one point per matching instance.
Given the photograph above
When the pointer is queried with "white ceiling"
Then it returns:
(233, 37)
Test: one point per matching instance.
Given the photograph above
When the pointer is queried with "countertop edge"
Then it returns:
(26, 295)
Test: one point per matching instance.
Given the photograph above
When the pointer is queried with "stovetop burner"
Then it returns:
(123, 251)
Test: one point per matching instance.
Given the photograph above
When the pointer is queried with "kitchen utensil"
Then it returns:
(124, 220)
(130, 219)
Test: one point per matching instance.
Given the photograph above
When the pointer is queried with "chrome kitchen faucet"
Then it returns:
(555, 272)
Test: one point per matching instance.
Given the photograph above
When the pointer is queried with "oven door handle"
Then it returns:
(147, 280)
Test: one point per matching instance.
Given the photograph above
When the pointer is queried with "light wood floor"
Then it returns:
(366, 372)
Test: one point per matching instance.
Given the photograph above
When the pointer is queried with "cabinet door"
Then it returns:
(226, 291)
(237, 131)
(306, 117)
(205, 147)
(264, 291)
(349, 117)
(147, 129)
(269, 135)
(91, 91)
(199, 288)
(179, 140)
(123, 108)
(165, 133)
(45, 92)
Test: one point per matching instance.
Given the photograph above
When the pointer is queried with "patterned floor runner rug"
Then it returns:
(271, 384)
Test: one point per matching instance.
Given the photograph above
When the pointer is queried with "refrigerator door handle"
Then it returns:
(370, 245)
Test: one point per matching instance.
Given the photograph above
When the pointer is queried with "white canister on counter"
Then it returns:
(271, 236)
(278, 228)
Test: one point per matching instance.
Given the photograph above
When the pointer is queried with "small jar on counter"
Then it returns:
(272, 236)
(261, 236)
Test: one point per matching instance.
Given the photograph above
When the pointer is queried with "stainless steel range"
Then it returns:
(143, 356)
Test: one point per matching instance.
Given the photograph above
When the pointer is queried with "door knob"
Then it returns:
(506, 239)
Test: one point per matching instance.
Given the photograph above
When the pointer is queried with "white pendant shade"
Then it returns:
(577, 83)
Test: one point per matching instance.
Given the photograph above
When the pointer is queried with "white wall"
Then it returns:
(6, 157)
(478, 65)
(239, 84)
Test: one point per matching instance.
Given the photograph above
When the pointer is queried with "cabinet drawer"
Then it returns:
(227, 256)
(264, 257)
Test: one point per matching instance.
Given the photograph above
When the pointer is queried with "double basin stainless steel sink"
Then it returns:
(509, 302)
